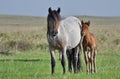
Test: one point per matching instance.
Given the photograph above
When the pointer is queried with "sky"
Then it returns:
(68, 7)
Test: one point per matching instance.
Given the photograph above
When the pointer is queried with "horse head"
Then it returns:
(85, 28)
(53, 21)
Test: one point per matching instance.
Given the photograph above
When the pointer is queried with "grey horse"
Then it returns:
(63, 35)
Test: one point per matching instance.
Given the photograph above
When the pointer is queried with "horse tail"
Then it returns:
(80, 24)
(80, 44)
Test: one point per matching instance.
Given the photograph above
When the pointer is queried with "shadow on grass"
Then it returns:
(6, 53)
(23, 60)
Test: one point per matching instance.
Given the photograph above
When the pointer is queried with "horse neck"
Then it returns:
(60, 32)
(61, 27)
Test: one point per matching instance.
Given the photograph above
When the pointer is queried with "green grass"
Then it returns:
(36, 65)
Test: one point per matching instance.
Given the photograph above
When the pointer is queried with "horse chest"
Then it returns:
(55, 42)
(86, 42)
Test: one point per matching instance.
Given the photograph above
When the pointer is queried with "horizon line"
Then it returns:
(62, 15)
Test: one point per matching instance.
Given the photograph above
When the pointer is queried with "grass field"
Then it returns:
(36, 65)
(25, 55)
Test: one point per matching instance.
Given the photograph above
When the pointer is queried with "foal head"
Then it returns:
(53, 21)
(85, 28)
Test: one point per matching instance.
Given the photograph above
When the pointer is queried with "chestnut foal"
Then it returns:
(89, 43)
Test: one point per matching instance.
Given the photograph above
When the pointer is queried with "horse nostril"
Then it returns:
(54, 33)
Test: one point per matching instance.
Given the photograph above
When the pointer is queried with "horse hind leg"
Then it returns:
(79, 63)
(69, 56)
(75, 59)
(94, 60)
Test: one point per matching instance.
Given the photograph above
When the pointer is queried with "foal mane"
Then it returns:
(85, 23)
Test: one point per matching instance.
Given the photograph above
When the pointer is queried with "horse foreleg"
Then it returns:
(63, 60)
(52, 60)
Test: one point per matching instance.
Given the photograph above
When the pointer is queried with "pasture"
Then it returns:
(24, 50)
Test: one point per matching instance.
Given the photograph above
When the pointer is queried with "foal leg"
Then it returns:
(89, 60)
(94, 60)
(52, 60)
(86, 60)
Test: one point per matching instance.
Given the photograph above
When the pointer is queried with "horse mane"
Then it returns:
(54, 15)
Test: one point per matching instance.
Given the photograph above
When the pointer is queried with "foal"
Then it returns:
(89, 44)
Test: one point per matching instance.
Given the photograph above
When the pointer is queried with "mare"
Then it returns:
(62, 35)
(89, 43)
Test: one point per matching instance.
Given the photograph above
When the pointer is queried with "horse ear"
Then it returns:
(49, 10)
(88, 23)
(58, 10)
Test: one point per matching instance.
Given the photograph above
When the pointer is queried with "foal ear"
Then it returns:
(88, 23)
(49, 10)
(82, 22)
(58, 10)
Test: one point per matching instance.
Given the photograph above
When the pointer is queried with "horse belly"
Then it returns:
(74, 35)
(74, 39)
